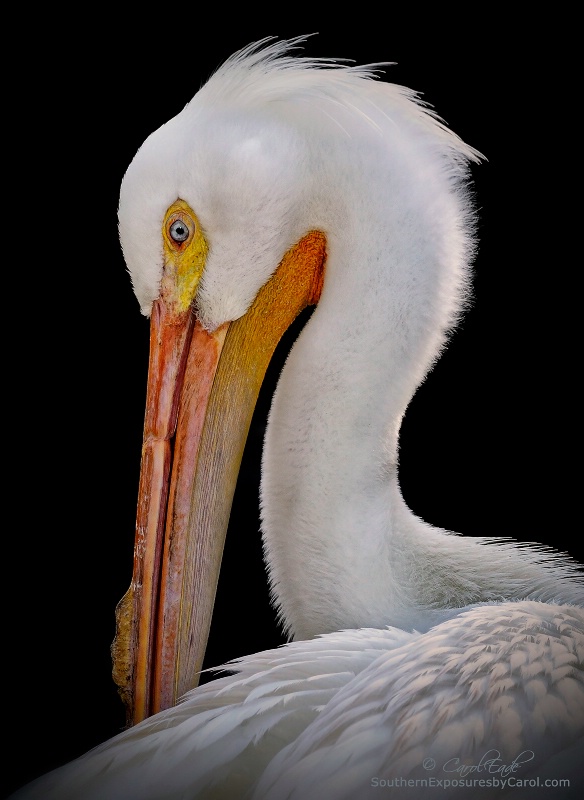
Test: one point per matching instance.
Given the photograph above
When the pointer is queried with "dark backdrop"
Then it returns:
(486, 444)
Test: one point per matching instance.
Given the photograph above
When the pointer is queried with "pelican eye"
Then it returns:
(179, 231)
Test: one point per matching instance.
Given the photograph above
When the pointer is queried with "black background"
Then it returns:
(486, 444)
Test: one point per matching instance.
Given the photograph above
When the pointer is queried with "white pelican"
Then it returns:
(416, 652)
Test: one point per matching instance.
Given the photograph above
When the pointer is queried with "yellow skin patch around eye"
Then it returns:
(183, 260)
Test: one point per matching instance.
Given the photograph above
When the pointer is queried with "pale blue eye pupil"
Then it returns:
(179, 232)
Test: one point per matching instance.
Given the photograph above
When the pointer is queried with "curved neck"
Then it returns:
(333, 516)
(331, 506)
(343, 549)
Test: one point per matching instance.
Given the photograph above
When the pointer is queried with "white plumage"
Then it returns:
(435, 646)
